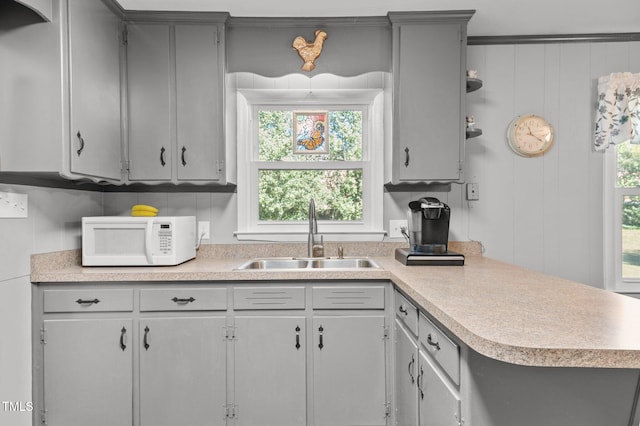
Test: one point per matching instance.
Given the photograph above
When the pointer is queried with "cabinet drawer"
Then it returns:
(407, 312)
(348, 297)
(268, 298)
(183, 299)
(97, 300)
(445, 352)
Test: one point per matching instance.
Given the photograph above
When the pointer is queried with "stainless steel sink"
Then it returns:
(307, 263)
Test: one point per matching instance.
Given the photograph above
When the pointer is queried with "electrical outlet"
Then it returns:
(203, 230)
(473, 191)
(395, 228)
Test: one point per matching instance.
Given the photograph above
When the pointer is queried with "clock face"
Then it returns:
(530, 135)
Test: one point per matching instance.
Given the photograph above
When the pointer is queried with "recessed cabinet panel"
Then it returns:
(83, 300)
(94, 71)
(182, 371)
(149, 102)
(439, 404)
(349, 370)
(183, 299)
(406, 376)
(88, 366)
(198, 102)
(270, 371)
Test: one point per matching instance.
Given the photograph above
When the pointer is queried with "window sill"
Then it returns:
(302, 236)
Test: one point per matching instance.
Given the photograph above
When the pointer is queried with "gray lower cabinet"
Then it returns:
(427, 372)
(141, 354)
(182, 371)
(88, 370)
(270, 387)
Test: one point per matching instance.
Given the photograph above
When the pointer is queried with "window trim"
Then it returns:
(612, 227)
(372, 103)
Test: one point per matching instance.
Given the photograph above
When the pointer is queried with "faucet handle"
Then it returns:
(340, 252)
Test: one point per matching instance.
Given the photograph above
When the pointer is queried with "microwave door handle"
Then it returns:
(148, 234)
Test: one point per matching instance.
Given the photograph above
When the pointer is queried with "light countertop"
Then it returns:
(500, 310)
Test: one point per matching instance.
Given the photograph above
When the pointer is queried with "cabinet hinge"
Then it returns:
(385, 332)
(220, 167)
(231, 411)
(124, 38)
(124, 166)
(43, 416)
(43, 336)
(229, 332)
(387, 409)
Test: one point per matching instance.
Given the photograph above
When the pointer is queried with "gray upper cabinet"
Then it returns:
(429, 85)
(61, 115)
(175, 100)
(94, 90)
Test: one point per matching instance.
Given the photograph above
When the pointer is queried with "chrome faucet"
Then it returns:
(315, 248)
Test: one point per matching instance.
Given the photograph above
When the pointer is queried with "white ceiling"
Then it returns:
(492, 17)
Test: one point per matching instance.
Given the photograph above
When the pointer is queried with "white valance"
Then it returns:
(618, 113)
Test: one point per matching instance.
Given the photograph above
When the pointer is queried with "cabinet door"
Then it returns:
(406, 374)
(349, 370)
(88, 369)
(149, 102)
(428, 102)
(439, 404)
(182, 371)
(199, 123)
(270, 371)
(94, 73)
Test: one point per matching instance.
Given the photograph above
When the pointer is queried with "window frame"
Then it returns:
(612, 220)
(371, 102)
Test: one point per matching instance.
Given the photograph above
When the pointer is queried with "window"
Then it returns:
(292, 148)
(622, 217)
(617, 130)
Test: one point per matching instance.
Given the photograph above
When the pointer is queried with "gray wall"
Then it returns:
(53, 224)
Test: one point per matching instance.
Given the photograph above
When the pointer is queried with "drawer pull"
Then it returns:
(411, 366)
(123, 333)
(321, 344)
(298, 337)
(433, 343)
(183, 301)
(403, 310)
(145, 339)
(87, 302)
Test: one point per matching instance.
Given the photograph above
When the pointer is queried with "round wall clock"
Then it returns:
(530, 135)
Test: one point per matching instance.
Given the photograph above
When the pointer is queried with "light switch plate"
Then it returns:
(13, 205)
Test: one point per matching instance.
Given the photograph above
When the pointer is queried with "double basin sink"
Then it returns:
(289, 263)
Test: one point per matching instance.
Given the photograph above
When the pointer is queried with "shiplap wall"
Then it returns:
(544, 213)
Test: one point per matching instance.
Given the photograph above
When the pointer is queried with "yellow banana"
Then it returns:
(144, 208)
(143, 213)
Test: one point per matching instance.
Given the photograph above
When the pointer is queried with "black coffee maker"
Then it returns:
(428, 223)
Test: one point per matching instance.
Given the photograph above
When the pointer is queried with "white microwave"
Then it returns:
(138, 241)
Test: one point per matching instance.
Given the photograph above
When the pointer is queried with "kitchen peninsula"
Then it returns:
(533, 349)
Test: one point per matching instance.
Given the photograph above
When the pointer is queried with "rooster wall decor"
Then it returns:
(309, 52)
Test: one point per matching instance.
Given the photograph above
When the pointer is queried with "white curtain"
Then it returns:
(618, 113)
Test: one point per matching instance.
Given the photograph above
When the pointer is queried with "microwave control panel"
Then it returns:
(165, 238)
